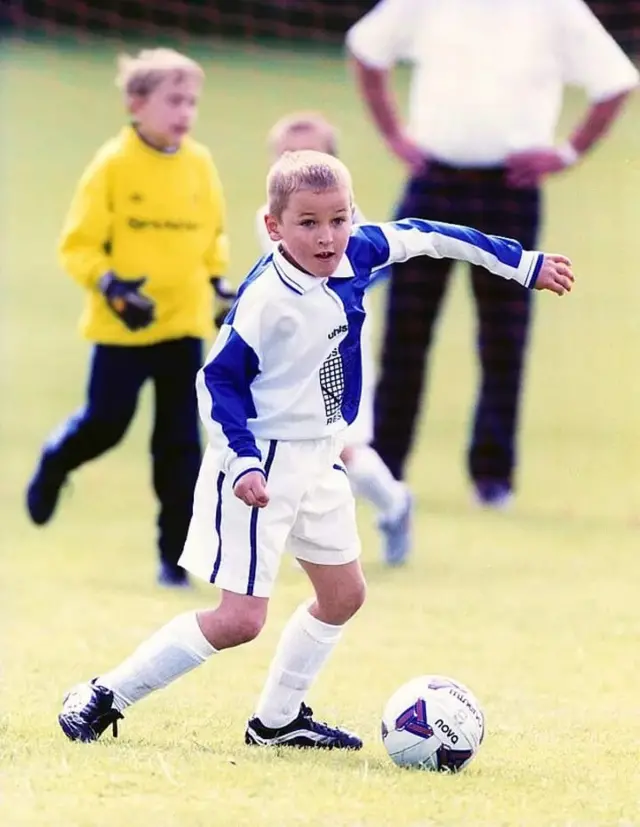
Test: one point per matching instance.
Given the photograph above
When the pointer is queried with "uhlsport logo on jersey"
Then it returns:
(337, 331)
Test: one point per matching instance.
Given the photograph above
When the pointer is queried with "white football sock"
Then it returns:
(371, 479)
(172, 651)
(303, 648)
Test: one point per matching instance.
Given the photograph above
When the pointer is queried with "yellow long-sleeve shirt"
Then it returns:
(141, 212)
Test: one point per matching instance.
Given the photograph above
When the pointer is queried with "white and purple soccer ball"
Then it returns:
(433, 723)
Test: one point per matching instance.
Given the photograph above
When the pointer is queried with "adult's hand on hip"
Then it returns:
(530, 167)
(408, 151)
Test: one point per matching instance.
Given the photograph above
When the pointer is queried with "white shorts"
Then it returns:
(311, 514)
(360, 432)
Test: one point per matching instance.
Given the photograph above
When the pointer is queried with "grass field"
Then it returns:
(537, 609)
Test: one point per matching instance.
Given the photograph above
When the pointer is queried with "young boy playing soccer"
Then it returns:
(280, 384)
(145, 238)
(370, 478)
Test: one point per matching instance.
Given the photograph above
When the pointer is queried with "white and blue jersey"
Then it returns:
(360, 431)
(287, 364)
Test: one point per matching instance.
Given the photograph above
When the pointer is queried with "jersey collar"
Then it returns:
(301, 282)
(292, 277)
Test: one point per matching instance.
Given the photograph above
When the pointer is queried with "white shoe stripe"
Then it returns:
(315, 737)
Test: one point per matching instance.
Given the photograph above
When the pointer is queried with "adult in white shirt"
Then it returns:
(486, 93)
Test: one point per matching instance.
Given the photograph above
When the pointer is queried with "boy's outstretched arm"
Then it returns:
(83, 244)
(397, 241)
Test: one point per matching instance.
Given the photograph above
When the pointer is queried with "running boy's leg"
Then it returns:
(370, 478)
(175, 649)
(175, 448)
(115, 377)
(184, 643)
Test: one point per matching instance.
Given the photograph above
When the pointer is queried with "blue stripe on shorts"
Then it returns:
(253, 524)
(216, 565)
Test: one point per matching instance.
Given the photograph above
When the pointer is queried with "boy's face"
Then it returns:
(168, 113)
(314, 229)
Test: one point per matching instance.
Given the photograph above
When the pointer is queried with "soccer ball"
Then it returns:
(432, 723)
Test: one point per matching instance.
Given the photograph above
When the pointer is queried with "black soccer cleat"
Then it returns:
(302, 732)
(87, 711)
(44, 490)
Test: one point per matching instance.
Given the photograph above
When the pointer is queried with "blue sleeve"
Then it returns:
(369, 253)
(227, 378)
(377, 245)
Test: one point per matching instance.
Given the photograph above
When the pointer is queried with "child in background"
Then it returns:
(369, 476)
(279, 386)
(145, 238)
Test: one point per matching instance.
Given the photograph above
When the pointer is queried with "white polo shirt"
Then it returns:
(489, 74)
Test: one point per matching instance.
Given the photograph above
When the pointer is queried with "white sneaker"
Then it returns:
(397, 533)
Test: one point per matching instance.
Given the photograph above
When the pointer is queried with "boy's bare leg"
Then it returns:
(184, 643)
(340, 591)
(309, 638)
(175, 649)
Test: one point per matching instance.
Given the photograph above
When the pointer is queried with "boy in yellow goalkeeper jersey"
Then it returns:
(145, 238)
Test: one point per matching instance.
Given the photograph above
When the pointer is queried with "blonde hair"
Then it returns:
(141, 74)
(304, 170)
(300, 122)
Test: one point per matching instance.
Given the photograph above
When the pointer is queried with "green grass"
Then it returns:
(536, 610)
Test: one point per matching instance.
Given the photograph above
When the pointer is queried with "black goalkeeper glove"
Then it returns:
(134, 310)
(225, 297)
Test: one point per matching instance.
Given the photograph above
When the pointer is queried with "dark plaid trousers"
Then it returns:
(478, 198)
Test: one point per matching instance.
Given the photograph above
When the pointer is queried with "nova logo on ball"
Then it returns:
(414, 720)
(446, 730)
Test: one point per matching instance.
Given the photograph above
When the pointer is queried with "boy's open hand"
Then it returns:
(555, 275)
(251, 488)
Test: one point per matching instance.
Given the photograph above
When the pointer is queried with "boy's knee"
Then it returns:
(248, 627)
(355, 597)
(238, 619)
(344, 604)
